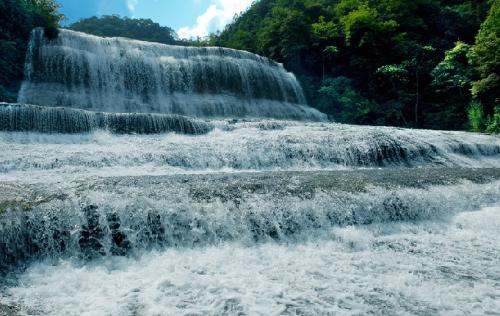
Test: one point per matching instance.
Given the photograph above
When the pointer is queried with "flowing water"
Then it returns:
(121, 75)
(240, 146)
(226, 195)
(424, 268)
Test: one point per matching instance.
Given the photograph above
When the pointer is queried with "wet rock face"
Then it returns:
(61, 237)
(151, 232)
(120, 243)
(91, 235)
(156, 233)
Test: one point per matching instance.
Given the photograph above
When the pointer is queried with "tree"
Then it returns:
(399, 79)
(407, 76)
(451, 81)
(323, 30)
(485, 57)
(17, 19)
(341, 100)
(116, 26)
(45, 13)
(362, 25)
(284, 35)
(402, 61)
(453, 74)
(397, 54)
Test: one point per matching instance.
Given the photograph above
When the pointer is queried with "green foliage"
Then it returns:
(399, 59)
(453, 73)
(241, 40)
(324, 30)
(485, 57)
(342, 100)
(493, 123)
(116, 26)
(331, 50)
(476, 116)
(17, 19)
(451, 82)
(44, 13)
(414, 63)
(284, 34)
(362, 25)
(398, 72)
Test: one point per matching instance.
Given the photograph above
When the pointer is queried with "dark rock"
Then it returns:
(91, 234)
(121, 245)
(156, 232)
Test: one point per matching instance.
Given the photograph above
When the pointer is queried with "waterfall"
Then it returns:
(112, 216)
(32, 118)
(160, 180)
(229, 146)
(82, 71)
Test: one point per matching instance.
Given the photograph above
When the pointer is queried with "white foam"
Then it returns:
(248, 146)
(118, 75)
(445, 268)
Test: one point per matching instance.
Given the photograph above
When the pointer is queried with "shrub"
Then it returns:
(476, 116)
(493, 123)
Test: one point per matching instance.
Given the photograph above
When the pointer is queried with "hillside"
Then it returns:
(404, 63)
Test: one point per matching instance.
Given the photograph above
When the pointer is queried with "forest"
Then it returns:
(412, 63)
(17, 19)
(409, 63)
(140, 29)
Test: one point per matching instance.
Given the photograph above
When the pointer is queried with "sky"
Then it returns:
(190, 18)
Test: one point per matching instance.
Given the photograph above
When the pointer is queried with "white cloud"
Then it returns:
(218, 15)
(131, 5)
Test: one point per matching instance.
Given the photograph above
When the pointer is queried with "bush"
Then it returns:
(493, 123)
(476, 116)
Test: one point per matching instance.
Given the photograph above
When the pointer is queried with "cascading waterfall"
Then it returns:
(113, 217)
(119, 75)
(159, 180)
(32, 118)
(239, 146)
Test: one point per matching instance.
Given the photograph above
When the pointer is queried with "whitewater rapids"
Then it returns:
(234, 146)
(426, 268)
(251, 218)
(146, 179)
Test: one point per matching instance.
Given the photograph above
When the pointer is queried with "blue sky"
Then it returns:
(190, 18)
